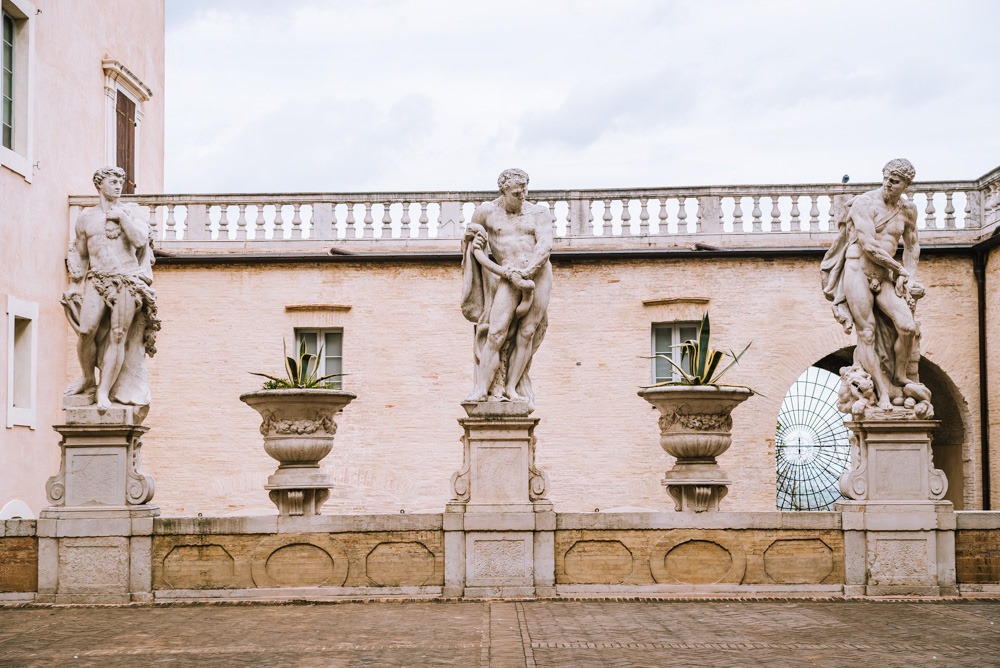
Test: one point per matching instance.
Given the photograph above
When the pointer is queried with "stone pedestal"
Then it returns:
(899, 536)
(499, 528)
(95, 540)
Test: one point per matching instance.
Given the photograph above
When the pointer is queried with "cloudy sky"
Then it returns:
(375, 95)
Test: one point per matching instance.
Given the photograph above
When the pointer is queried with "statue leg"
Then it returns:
(501, 315)
(861, 301)
(92, 310)
(122, 315)
(527, 330)
(906, 333)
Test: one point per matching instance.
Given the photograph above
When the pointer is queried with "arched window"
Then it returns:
(811, 443)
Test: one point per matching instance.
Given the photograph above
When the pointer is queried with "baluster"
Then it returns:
(208, 222)
(681, 216)
(170, 226)
(814, 213)
(350, 223)
(241, 222)
(368, 225)
(663, 226)
(775, 214)
(296, 222)
(154, 219)
(931, 220)
(737, 214)
(259, 222)
(756, 225)
(643, 216)
(606, 230)
(626, 217)
(949, 211)
(795, 225)
(423, 223)
(970, 216)
(279, 222)
(386, 221)
(404, 222)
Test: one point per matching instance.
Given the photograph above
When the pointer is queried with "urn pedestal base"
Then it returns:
(696, 487)
(95, 540)
(499, 528)
(899, 535)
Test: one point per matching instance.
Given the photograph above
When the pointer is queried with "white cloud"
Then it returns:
(413, 95)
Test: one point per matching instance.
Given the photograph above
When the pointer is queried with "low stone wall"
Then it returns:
(787, 553)
(18, 560)
(596, 554)
(977, 552)
(318, 557)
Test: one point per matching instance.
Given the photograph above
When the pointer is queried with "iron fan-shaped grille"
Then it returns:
(811, 443)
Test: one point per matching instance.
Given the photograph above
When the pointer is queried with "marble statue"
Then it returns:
(876, 295)
(507, 295)
(110, 302)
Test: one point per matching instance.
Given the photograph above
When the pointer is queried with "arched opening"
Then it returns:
(811, 444)
(949, 438)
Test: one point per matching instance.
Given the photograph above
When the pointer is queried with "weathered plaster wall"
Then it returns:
(407, 351)
(68, 134)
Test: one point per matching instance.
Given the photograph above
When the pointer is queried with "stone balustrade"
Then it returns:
(749, 216)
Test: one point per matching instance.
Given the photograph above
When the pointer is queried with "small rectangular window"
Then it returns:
(332, 343)
(667, 338)
(22, 362)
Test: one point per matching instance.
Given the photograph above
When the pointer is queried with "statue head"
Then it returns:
(511, 177)
(105, 172)
(901, 168)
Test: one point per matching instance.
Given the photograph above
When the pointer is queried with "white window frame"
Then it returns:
(117, 77)
(675, 340)
(321, 333)
(19, 158)
(22, 416)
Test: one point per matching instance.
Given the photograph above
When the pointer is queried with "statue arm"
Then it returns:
(543, 244)
(134, 225)
(78, 258)
(864, 226)
(911, 246)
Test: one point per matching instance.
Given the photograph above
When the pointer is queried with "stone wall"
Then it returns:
(407, 353)
(774, 551)
(250, 558)
(977, 551)
(18, 559)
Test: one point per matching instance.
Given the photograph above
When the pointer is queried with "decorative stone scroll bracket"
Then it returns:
(891, 460)
(499, 527)
(100, 466)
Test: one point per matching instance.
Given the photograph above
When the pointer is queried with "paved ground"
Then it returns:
(535, 633)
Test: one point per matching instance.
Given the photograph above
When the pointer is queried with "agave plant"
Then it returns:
(300, 372)
(702, 367)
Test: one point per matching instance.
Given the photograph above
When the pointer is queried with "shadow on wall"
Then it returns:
(951, 448)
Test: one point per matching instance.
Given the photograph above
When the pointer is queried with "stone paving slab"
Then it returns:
(509, 633)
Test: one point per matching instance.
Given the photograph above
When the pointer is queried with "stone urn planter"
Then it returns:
(696, 427)
(298, 428)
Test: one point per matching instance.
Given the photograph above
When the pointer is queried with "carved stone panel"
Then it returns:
(499, 559)
(598, 562)
(96, 478)
(299, 565)
(93, 565)
(806, 561)
(695, 562)
(400, 565)
(198, 567)
(900, 561)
